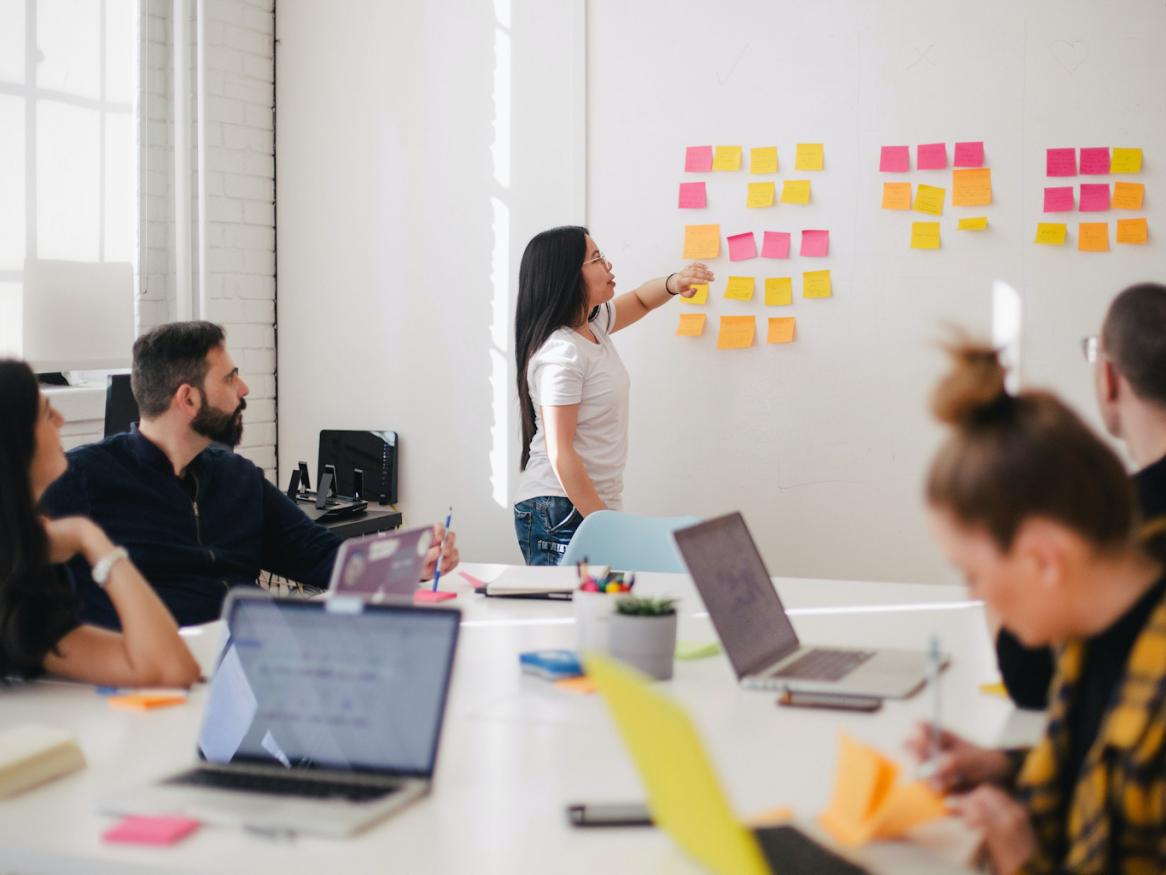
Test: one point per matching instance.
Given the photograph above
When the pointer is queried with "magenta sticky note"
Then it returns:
(150, 830)
(1094, 197)
(1061, 162)
(432, 596)
(775, 244)
(693, 196)
(895, 159)
(931, 156)
(1095, 161)
(1059, 199)
(698, 159)
(815, 244)
(969, 154)
(742, 246)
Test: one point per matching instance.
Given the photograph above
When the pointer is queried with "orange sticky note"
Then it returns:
(146, 701)
(771, 817)
(779, 291)
(736, 332)
(896, 195)
(691, 325)
(816, 284)
(1093, 237)
(971, 188)
(782, 329)
(583, 685)
(1132, 231)
(1128, 195)
(702, 241)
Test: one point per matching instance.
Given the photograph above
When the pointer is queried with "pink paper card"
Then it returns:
(1059, 199)
(693, 196)
(150, 830)
(969, 154)
(698, 159)
(931, 156)
(742, 247)
(432, 596)
(1094, 197)
(815, 244)
(775, 244)
(1061, 162)
(1095, 161)
(895, 159)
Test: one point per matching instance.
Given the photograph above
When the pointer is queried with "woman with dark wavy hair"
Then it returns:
(39, 625)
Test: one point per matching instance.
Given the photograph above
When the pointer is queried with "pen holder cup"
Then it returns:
(645, 642)
(593, 614)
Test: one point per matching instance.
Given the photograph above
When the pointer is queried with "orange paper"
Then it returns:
(782, 329)
(736, 332)
(1128, 195)
(146, 701)
(971, 188)
(702, 241)
(691, 325)
(582, 685)
(896, 195)
(1132, 231)
(1093, 237)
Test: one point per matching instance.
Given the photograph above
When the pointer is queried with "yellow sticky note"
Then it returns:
(691, 325)
(782, 329)
(701, 296)
(761, 194)
(1051, 233)
(816, 284)
(974, 223)
(702, 241)
(795, 191)
(1093, 236)
(971, 188)
(779, 291)
(1126, 161)
(740, 288)
(896, 195)
(763, 159)
(1128, 195)
(809, 157)
(995, 688)
(1132, 231)
(929, 199)
(727, 158)
(924, 235)
(736, 332)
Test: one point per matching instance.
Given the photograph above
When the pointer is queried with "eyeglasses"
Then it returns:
(1089, 348)
(598, 256)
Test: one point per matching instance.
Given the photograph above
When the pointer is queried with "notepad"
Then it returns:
(539, 581)
(150, 830)
(32, 755)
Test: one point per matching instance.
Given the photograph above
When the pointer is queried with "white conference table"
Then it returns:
(516, 750)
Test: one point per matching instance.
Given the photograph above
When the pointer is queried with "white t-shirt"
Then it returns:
(569, 369)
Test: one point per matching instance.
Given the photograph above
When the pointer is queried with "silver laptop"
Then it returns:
(322, 717)
(379, 566)
(757, 634)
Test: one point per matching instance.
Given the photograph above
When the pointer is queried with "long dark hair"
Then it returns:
(551, 295)
(33, 599)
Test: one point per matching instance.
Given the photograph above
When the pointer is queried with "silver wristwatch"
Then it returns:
(104, 565)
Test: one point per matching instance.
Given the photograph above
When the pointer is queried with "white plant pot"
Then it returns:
(645, 642)
(593, 613)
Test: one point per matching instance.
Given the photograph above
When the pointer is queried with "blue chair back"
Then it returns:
(627, 542)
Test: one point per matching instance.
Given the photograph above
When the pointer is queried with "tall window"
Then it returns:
(68, 160)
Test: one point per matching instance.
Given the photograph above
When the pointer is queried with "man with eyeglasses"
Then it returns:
(1129, 371)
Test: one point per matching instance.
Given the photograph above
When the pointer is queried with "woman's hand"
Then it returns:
(449, 553)
(1008, 834)
(73, 535)
(960, 764)
(683, 280)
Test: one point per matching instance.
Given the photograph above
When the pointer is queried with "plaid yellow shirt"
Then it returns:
(1116, 820)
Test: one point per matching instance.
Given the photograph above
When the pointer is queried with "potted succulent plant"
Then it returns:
(643, 634)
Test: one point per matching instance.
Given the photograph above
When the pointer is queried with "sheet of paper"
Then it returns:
(1132, 231)
(775, 244)
(779, 291)
(761, 194)
(925, 235)
(1093, 237)
(929, 199)
(895, 159)
(693, 196)
(701, 296)
(906, 807)
(698, 159)
(969, 154)
(782, 329)
(795, 191)
(1051, 233)
(740, 288)
(1094, 197)
(763, 159)
(973, 223)
(1126, 160)
(931, 156)
(1095, 161)
(691, 325)
(809, 156)
(971, 188)
(815, 243)
(816, 284)
(736, 332)
(742, 247)
(896, 195)
(1128, 195)
(1061, 162)
(1059, 199)
(702, 241)
(727, 158)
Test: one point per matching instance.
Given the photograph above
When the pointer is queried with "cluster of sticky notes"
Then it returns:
(869, 802)
(738, 332)
(1093, 197)
(971, 186)
(815, 243)
(762, 160)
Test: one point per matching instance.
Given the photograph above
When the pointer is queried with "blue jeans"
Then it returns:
(545, 526)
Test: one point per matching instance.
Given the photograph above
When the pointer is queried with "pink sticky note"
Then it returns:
(432, 597)
(815, 244)
(698, 159)
(1061, 162)
(1094, 197)
(775, 244)
(475, 582)
(693, 196)
(1095, 161)
(150, 830)
(895, 159)
(1059, 199)
(931, 156)
(970, 154)
(742, 246)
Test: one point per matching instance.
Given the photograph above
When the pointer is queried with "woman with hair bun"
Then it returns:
(1039, 516)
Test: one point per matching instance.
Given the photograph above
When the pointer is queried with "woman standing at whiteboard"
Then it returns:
(572, 386)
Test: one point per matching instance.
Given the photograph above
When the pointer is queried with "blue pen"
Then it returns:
(440, 548)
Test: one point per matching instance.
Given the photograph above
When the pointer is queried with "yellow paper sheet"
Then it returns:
(924, 235)
(795, 191)
(1128, 195)
(782, 329)
(702, 241)
(896, 195)
(1132, 231)
(816, 284)
(740, 288)
(810, 156)
(929, 199)
(763, 159)
(691, 325)
(701, 296)
(761, 194)
(1051, 233)
(736, 332)
(1126, 161)
(971, 188)
(779, 291)
(973, 223)
(1093, 237)
(727, 158)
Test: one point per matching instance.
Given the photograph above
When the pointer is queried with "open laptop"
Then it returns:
(684, 794)
(322, 717)
(757, 634)
(381, 565)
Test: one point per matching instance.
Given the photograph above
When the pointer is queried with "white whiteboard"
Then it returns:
(823, 444)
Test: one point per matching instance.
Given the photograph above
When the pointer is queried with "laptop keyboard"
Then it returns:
(281, 785)
(824, 665)
(791, 852)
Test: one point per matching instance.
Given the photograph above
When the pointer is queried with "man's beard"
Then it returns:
(221, 427)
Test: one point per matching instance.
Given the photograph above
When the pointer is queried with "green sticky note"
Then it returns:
(696, 649)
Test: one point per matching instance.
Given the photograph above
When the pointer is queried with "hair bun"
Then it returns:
(974, 388)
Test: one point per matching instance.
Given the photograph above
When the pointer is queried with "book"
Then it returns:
(32, 755)
(540, 581)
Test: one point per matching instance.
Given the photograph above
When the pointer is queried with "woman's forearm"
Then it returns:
(572, 474)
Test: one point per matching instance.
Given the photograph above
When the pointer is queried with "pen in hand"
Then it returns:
(441, 549)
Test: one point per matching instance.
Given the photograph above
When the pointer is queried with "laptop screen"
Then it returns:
(731, 578)
(344, 686)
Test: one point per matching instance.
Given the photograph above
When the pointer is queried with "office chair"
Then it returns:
(627, 542)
